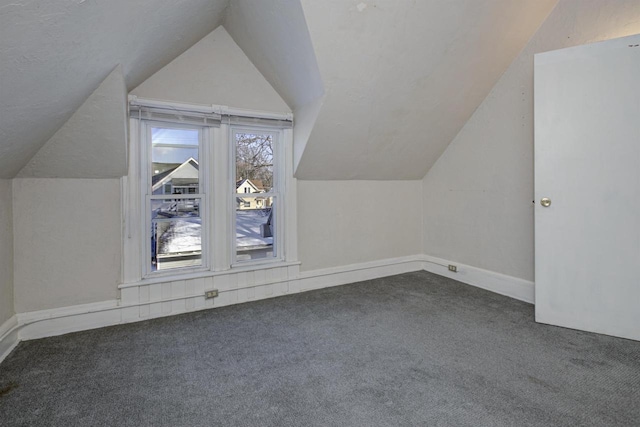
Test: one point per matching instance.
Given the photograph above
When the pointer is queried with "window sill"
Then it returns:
(236, 268)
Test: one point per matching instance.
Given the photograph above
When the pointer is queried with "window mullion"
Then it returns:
(219, 235)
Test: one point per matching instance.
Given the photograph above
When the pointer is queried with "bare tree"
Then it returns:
(254, 158)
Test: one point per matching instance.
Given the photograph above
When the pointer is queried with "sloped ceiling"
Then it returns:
(274, 35)
(379, 87)
(93, 142)
(402, 78)
(55, 53)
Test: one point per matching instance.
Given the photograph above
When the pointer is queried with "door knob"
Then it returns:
(546, 202)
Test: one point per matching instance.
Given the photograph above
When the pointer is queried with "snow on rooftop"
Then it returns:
(185, 235)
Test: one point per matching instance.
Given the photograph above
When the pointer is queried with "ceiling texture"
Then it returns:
(378, 87)
(402, 78)
(55, 53)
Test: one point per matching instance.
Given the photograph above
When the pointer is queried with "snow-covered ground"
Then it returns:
(248, 228)
(181, 236)
(184, 235)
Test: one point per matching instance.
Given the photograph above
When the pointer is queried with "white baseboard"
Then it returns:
(64, 320)
(146, 300)
(8, 337)
(510, 286)
(336, 276)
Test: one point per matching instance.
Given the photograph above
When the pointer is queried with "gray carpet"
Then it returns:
(413, 349)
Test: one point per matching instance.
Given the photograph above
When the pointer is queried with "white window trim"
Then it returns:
(220, 258)
(204, 142)
(276, 192)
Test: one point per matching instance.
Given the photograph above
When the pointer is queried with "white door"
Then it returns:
(587, 162)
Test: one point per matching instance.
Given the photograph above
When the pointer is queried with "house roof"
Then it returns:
(252, 183)
(161, 178)
(258, 184)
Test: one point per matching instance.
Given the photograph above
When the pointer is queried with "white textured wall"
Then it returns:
(67, 242)
(213, 71)
(6, 251)
(478, 196)
(348, 222)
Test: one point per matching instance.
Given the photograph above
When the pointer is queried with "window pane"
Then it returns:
(254, 162)
(167, 136)
(174, 161)
(176, 233)
(255, 228)
(175, 208)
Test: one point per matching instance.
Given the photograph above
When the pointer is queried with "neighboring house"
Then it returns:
(181, 179)
(247, 186)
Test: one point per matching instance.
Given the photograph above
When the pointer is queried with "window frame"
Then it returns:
(276, 191)
(147, 192)
(216, 186)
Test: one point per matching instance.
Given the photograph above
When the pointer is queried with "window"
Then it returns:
(175, 223)
(255, 217)
(211, 191)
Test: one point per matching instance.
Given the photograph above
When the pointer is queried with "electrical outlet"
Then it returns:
(211, 294)
(453, 268)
